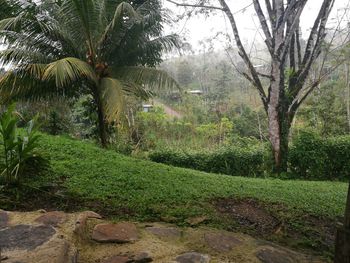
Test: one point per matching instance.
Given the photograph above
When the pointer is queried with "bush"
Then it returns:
(226, 160)
(312, 156)
(18, 147)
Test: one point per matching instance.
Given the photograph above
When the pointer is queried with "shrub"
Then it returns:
(18, 147)
(337, 164)
(312, 156)
(226, 160)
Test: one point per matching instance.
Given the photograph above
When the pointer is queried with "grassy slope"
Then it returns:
(152, 189)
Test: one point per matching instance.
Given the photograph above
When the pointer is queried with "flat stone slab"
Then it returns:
(167, 232)
(221, 242)
(4, 219)
(52, 218)
(117, 259)
(123, 232)
(270, 255)
(25, 236)
(193, 257)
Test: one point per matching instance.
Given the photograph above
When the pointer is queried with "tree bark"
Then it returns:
(102, 125)
(342, 243)
(347, 86)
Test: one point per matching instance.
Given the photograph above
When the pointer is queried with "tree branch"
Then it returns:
(314, 44)
(264, 25)
(272, 16)
(196, 5)
(256, 80)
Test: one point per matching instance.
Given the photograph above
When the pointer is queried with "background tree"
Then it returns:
(280, 23)
(76, 47)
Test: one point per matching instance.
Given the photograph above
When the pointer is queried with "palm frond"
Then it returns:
(112, 97)
(167, 43)
(68, 70)
(12, 23)
(81, 19)
(124, 18)
(150, 79)
(17, 56)
(25, 83)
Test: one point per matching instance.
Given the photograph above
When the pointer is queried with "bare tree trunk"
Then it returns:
(347, 86)
(342, 244)
(273, 113)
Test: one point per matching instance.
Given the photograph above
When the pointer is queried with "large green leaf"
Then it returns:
(68, 70)
(150, 79)
(112, 97)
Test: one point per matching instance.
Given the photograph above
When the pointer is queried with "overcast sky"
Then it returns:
(199, 27)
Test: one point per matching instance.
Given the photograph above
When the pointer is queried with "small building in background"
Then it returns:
(147, 107)
(196, 92)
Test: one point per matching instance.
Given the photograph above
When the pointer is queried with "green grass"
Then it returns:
(154, 189)
(84, 176)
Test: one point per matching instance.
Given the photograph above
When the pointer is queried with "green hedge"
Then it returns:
(226, 160)
(314, 157)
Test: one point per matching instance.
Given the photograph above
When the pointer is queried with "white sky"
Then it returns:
(200, 27)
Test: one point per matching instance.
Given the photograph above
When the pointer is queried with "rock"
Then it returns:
(167, 232)
(271, 255)
(80, 223)
(52, 218)
(119, 233)
(4, 218)
(142, 257)
(55, 251)
(117, 259)
(193, 257)
(195, 221)
(221, 242)
(25, 236)
(3, 258)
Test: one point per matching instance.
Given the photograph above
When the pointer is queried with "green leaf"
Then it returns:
(68, 70)
(112, 97)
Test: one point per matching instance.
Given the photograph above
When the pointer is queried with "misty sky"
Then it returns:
(200, 27)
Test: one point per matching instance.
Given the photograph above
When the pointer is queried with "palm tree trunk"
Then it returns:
(102, 125)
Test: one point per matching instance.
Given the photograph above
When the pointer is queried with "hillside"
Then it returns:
(94, 173)
(84, 176)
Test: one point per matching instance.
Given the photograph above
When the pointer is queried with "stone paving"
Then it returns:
(57, 237)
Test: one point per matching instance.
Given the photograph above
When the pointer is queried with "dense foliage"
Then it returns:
(314, 157)
(153, 189)
(19, 156)
(74, 48)
(225, 160)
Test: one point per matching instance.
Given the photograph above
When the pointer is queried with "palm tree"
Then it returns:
(99, 47)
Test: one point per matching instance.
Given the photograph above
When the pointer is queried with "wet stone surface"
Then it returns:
(193, 257)
(221, 242)
(4, 218)
(268, 255)
(52, 218)
(25, 236)
(123, 232)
